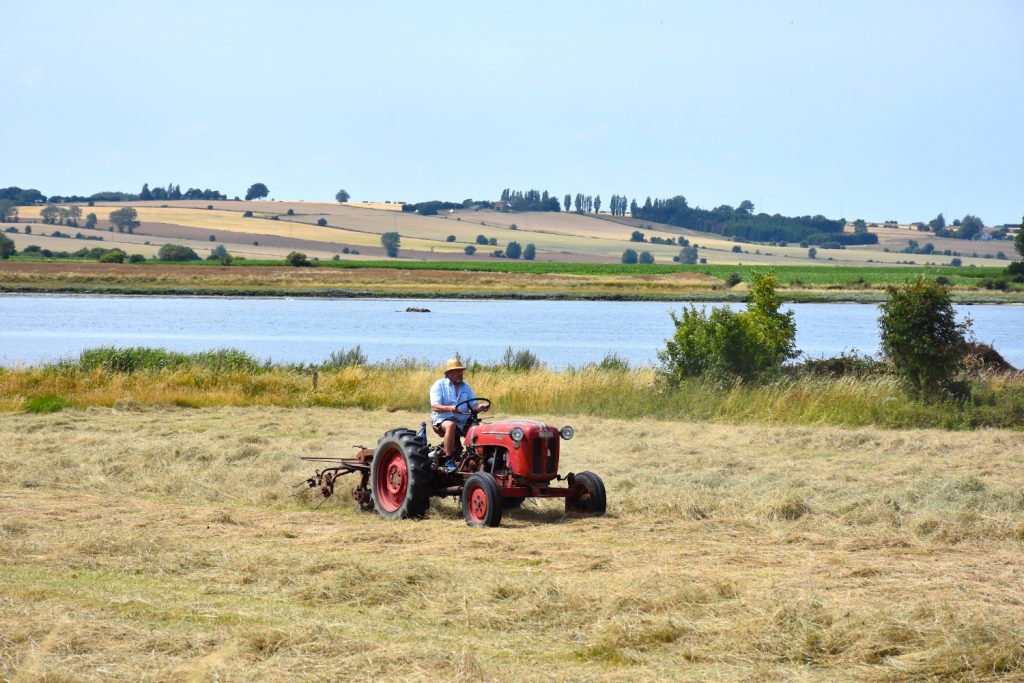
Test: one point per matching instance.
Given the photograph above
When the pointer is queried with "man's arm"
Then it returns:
(435, 400)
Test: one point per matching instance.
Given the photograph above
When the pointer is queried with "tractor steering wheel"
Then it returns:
(478, 409)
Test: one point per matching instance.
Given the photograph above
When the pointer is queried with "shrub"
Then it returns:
(733, 280)
(629, 256)
(646, 257)
(726, 345)
(297, 259)
(209, 207)
(956, 262)
(7, 248)
(176, 252)
(247, 214)
(113, 256)
(213, 238)
(481, 239)
(220, 253)
(346, 358)
(136, 258)
(450, 238)
(921, 336)
(144, 359)
(321, 222)
(470, 250)
(737, 249)
(520, 361)
(291, 212)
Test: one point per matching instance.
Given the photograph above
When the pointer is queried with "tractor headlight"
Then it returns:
(517, 434)
(567, 432)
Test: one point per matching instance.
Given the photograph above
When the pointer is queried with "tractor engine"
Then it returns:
(525, 449)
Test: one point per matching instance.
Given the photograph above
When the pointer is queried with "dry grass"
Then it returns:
(163, 544)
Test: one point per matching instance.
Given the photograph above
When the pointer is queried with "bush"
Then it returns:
(737, 249)
(733, 280)
(726, 345)
(176, 252)
(481, 239)
(297, 259)
(629, 256)
(213, 238)
(346, 358)
(646, 258)
(520, 361)
(144, 359)
(247, 214)
(136, 258)
(113, 256)
(470, 250)
(7, 248)
(321, 222)
(921, 336)
(450, 238)
(291, 212)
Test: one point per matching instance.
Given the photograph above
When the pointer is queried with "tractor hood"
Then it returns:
(532, 429)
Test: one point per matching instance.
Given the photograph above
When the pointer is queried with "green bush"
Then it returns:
(297, 259)
(726, 345)
(113, 256)
(136, 258)
(521, 360)
(44, 404)
(346, 358)
(922, 338)
(144, 359)
(176, 252)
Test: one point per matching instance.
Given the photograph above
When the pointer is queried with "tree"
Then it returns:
(8, 211)
(746, 207)
(391, 241)
(812, 253)
(469, 250)
(125, 220)
(256, 191)
(50, 214)
(145, 195)
(629, 256)
(7, 248)
(597, 204)
(90, 221)
(688, 254)
(937, 223)
(176, 252)
(513, 250)
(530, 252)
(567, 202)
(921, 336)
(637, 236)
(646, 258)
(1018, 242)
(321, 222)
(860, 227)
(297, 259)
(220, 253)
(970, 227)
(342, 196)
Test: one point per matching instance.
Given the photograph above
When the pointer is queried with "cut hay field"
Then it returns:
(152, 544)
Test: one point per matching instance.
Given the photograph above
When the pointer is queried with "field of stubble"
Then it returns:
(163, 544)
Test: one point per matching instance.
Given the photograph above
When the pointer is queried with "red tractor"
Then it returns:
(503, 463)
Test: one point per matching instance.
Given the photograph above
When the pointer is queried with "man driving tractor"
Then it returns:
(452, 401)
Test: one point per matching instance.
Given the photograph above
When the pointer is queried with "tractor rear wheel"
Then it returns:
(401, 475)
(481, 500)
(589, 497)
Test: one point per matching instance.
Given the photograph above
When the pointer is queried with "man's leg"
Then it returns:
(451, 437)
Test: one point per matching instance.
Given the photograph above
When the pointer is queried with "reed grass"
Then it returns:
(116, 377)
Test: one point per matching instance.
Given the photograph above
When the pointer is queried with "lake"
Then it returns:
(35, 329)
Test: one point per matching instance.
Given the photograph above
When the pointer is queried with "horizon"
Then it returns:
(881, 112)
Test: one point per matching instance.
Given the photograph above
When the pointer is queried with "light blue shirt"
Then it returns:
(444, 393)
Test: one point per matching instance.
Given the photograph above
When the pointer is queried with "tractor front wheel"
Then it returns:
(589, 497)
(401, 475)
(481, 500)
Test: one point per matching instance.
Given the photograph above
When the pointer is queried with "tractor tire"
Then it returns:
(590, 496)
(481, 500)
(401, 476)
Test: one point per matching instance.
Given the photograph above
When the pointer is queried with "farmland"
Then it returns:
(161, 543)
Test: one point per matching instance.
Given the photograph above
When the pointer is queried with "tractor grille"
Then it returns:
(545, 456)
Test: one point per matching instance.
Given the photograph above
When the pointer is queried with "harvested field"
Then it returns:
(154, 544)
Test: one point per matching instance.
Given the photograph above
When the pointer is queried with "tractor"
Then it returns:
(502, 463)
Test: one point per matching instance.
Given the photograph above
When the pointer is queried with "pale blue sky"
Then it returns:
(881, 110)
